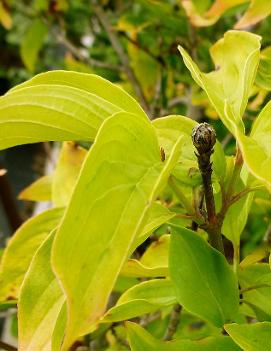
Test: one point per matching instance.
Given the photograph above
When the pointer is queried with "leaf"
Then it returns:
(255, 281)
(21, 248)
(140, 339)
(236, 217)
(66, 172)
(143, 298)
(251, 337)
(156, 216)
(134, 268)
(211, 16)
(59, 106)
(157, 253)
(119, 181)
(263, 78)
(40, 190)
(257, 255)
(196, 270)
(32, 43)
(37, 322)
(236, 58)
(257, 11)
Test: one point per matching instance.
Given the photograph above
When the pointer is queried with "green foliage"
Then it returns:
(135, 208)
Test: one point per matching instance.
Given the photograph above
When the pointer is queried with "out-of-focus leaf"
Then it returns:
(236, 58)
(199, 19)
(37, 322)
(32, 43)
(257, 11)
(142, 298)
(255, 281)
(5, 17)
(40, 190)
(66, 172)
(60, 105)
(259, 254)
(21, 248)
(196, 270)
(120, 179)
(251, 337)
(140, 339)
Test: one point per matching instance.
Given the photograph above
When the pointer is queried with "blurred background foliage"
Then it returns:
(133, 44)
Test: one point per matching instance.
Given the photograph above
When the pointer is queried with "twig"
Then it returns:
(173, 322)
(204, 138)
(62, 39)
(121, 54)
(7, 347)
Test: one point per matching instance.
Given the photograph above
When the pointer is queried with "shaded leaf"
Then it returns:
(32, 43)
(140, 339)
(143, 298)
(196, 270)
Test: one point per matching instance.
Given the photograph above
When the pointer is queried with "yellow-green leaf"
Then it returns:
(119, 181)
(236, 57)
(21, 248)
(40, 190)
(145, 297)
(60, 105)
(251, 337)
(66, 172)
(40, 302)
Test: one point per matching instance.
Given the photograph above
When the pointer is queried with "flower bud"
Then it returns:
(203, 137)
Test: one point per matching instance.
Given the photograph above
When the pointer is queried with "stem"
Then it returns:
(236, 257)
(124, 59)
(7, 347)
(183, 199)
(173, 322)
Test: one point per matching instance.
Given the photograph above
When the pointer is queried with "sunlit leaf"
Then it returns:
(140, 340)
(21, 248)
(40, 190)
(60, 105)
(196, 270)
(37, 321)
(143, 298)
(66, 172)
(251, 337)
(263, 77)
(120, 178)
(236, 58)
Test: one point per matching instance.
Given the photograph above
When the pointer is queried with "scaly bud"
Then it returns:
(204, 138)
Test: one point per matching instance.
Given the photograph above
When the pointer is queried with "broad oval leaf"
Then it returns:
(120, 179)
(37, 322)
(143, 298)
(21, 248)
(140, 339)
(251, 337)
(196, 270)
(60, 105)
